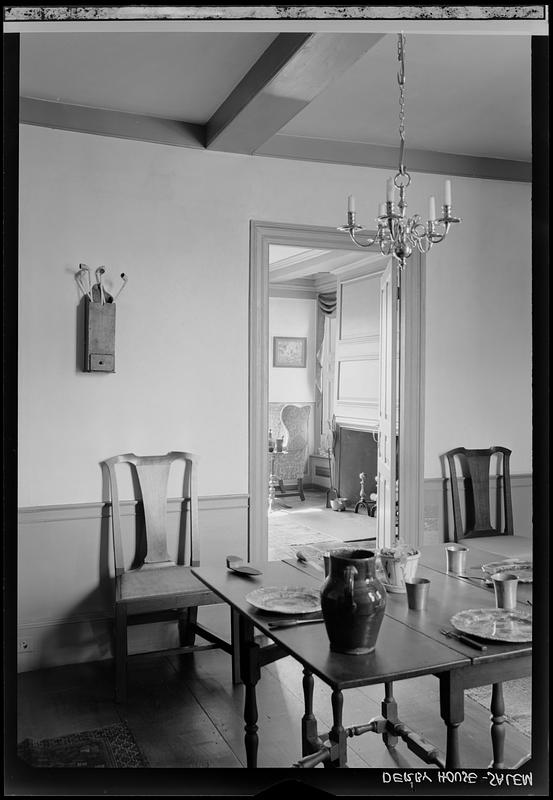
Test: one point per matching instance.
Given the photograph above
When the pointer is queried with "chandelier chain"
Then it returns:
(401, 81)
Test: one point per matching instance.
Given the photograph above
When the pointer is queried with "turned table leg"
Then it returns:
(250, 674)
(452, 710)
(337, 735)
(497, 730)
(310, 741)
(389, 712)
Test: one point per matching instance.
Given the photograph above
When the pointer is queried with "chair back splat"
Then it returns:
(472, 468)
(151, 584)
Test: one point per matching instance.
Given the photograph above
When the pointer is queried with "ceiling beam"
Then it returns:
(363, 154)
(102, 122)
(293, 70)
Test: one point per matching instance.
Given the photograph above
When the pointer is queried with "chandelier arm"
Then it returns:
(367, 243)
(424, 248)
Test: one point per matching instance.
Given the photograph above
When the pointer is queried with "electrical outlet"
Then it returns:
(24, 646)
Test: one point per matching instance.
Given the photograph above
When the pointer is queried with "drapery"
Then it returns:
(326, 303)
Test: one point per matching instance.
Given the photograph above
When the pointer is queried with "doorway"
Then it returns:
(263, 236)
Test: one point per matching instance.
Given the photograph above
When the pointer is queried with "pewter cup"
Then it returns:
(417, 593)
(456, 558)
(505, 585)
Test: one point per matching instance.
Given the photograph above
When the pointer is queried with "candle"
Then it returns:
(447, 200)
(351, 203)
(390, 190)
(382, 209)
(432, 208)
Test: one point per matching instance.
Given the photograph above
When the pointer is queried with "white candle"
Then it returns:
(447, 200)
(382, 209)
(390, 190)
(351, 203)
(432, 208)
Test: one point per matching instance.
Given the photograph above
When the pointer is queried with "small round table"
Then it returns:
(274, 481)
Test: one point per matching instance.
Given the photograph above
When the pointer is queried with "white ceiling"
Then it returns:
(468, 95)
(182, 76)
(465, 94)
(311, 268)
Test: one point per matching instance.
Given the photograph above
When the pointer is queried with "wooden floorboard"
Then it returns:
(185, 712)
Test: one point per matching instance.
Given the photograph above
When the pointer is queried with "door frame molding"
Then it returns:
(262, 234)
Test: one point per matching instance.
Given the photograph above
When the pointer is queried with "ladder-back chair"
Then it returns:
(150, 584)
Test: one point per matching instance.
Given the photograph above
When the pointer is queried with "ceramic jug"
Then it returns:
(352, 602)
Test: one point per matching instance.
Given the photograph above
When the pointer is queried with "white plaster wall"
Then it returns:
(177, 221)
(478, 327)
(290, 316)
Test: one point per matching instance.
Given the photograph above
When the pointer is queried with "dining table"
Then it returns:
(410, 644)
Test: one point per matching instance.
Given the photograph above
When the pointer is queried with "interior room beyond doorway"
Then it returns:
(304, 287)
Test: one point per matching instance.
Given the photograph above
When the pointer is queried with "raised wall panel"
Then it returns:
(358, 380)
(359, 308)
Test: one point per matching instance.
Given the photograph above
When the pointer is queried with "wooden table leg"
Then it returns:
(389, 712)
(310, 742)
(235, 646)
(250, 674)
(273, 483)
(452, 710)
(497, 708)
(337, 735)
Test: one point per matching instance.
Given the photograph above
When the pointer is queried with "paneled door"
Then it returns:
(357, 351)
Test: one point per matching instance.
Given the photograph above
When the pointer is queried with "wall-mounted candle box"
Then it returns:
(99, 345)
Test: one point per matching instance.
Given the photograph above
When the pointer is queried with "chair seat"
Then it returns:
(175, 583)
(507, 546)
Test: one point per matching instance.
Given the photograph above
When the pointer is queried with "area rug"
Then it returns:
(313, 550)
(292, 533)
(517, 696)
(111, 747)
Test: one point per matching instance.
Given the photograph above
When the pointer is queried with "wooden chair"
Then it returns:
(291, 465)
(150, 585)
(472, 517)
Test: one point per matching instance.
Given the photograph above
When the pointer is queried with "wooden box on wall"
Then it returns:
(99, 345)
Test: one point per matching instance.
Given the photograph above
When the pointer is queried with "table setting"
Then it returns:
(331, 612)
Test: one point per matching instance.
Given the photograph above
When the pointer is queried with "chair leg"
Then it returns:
(300, 488)
(121, 651)
(281, 486)
(187, 619)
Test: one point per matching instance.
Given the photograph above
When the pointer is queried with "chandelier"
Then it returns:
(397, 234)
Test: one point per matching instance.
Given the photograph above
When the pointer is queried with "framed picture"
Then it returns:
(289, 351)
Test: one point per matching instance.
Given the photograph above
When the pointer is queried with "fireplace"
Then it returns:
(356, 451)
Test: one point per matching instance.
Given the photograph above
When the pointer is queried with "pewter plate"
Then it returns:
(496, 624)
(286, 599)
(522, 569)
